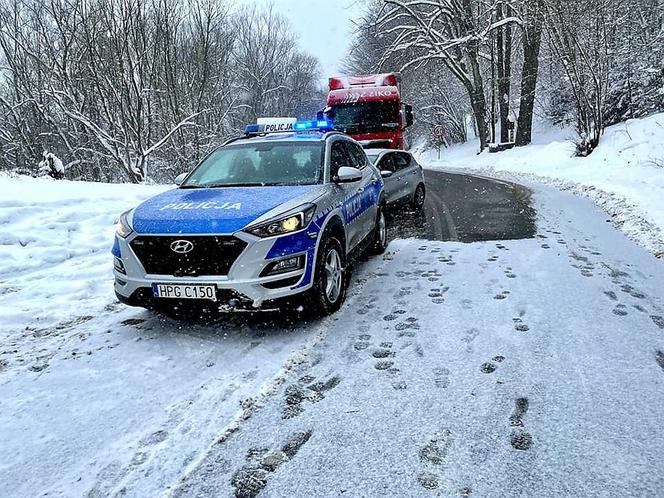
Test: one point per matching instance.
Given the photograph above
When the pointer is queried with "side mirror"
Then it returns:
(408, 111)
(386, 173)
(347, 174)
(180, 178)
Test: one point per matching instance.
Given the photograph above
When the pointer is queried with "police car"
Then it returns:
(278, 213)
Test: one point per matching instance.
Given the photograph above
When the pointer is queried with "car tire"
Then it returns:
(380, 239)
(331, 278)
(419, 197)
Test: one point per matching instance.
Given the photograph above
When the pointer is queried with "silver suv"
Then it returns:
(265, 217)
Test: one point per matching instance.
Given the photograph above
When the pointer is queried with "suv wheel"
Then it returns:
(419, 197)
(331, 280)
(380, 241)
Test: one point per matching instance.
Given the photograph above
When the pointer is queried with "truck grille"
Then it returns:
(210, 255)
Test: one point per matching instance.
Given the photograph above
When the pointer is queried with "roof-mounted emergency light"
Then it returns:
(289, 127)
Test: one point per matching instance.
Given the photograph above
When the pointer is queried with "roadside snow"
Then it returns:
(624, 176)
(514, 368)
(529, 367)
(55, 241)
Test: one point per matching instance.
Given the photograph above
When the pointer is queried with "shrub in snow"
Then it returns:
(52, 166)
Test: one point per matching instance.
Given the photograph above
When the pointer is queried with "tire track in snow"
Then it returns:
(299, 357)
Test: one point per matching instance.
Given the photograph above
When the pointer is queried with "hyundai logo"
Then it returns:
(182, 246)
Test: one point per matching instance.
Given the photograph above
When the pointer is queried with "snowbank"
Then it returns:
(625, 175)
(55, 241)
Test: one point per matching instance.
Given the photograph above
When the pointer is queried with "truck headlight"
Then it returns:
(292, 221)
(123, 228)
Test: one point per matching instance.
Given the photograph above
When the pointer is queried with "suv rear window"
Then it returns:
(401, 160)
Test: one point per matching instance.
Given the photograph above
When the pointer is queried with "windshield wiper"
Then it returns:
(222, 185)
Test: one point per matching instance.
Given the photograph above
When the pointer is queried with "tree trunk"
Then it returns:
(477, 99)
(504, 42)
(478, 103)
(492, 114)
(532, 37)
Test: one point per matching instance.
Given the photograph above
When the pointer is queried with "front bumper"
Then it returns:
(242, 286)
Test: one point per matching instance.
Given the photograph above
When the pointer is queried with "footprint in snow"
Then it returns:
(520, 439)
(383, 353)
(659, 357)
(441, 377)
(488, 368)
(658, 320)
(309, 390)
(253, 477)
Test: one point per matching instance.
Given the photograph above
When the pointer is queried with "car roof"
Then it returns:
(375, 152)
(381, 152)
(310, 136)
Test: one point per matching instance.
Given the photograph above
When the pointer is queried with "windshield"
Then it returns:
(260, 164)
(372, 157)
(366, 116)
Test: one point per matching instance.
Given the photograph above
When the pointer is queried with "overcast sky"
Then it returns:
(323, 26)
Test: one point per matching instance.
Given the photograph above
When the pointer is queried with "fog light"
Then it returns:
(284, 266)
(119, 266)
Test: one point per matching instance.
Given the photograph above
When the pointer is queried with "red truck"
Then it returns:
(369, 109)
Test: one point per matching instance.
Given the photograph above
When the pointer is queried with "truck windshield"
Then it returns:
(366, 116)
(260, 164)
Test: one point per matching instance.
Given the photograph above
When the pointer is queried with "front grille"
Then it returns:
(210, 255)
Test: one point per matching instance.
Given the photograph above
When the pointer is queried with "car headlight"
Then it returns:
(123, 228)
(292, 221)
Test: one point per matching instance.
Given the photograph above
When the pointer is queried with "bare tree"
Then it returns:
(452, 31)
(117, 87)
(273, 75)
(582, 35)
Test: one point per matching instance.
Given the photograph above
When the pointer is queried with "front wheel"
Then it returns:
(419, 197)
(331, 279)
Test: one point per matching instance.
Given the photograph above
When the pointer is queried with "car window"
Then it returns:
(358, 155)
(338, 157)
(401, 160)
(387, 163)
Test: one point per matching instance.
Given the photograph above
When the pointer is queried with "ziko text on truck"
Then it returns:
(369, 109)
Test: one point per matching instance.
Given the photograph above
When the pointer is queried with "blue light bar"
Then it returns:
(303, 125)
(318, 125)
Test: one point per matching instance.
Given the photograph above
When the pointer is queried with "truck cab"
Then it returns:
(369, 109)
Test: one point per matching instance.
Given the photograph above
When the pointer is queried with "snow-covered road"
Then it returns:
(529, 367)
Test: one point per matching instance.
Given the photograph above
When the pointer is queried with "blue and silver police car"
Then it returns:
(278, 213)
